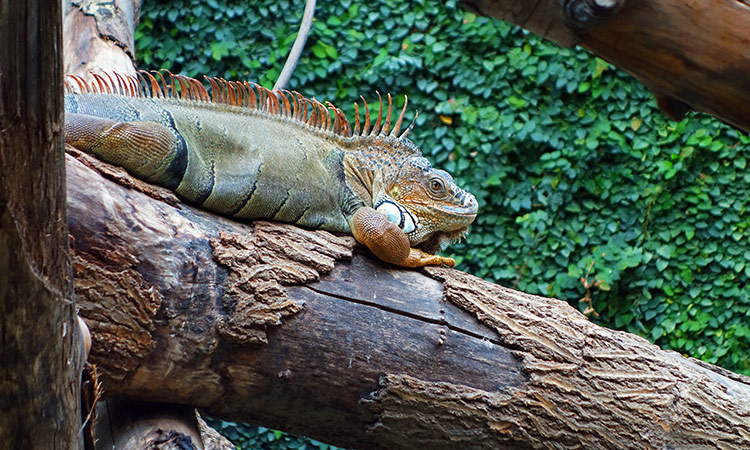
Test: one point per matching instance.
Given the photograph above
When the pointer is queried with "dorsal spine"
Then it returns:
(283, 103)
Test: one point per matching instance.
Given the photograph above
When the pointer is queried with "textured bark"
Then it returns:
(99, 36)
(211, 438)
(691, 55)
(294, 329)
(40, 347)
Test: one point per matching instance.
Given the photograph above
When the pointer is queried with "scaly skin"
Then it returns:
(248, 154)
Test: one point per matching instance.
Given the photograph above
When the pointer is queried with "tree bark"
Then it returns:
(297, 330)
(691, 55)
(40, 344)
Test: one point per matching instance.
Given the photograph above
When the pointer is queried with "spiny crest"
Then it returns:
(289, 104)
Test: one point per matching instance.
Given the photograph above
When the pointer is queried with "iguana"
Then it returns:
(248, 153)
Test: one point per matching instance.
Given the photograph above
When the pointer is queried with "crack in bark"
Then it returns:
(408, 314)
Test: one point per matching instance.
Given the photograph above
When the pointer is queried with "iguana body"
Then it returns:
(246, 153)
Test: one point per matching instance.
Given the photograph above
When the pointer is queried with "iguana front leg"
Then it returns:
(389, 243)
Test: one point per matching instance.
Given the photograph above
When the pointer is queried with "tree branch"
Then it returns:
(294, 329)
(99, 36)
(690, 55)
(131, 425)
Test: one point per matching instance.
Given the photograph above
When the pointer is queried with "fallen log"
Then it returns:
(691, 55)
(301, 330)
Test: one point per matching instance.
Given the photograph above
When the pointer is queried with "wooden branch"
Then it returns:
(543, 17)
(583, 15)
(295, 329)
(41, 354)
(99, 36)
(691, 55)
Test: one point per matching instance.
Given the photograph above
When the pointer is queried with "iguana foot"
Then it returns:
(419, 258)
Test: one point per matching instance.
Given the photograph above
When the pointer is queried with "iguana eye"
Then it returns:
(437, 186)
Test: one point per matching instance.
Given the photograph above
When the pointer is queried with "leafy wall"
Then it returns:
(576, 171)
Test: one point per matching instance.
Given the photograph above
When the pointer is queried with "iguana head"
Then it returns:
(426, 204)
(387, 169)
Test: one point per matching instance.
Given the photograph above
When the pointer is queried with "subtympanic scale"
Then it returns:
(398, 215)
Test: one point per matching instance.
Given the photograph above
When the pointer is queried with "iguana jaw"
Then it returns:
(441, 224)
(428, 228)
(438, 240)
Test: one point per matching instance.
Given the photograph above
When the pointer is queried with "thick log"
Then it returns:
(41, 354)
(296, 329)
(561, 21)
(691, 55)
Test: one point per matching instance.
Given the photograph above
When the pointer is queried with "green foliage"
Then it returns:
(573, 165)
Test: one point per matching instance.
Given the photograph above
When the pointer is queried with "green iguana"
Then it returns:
(246, 152)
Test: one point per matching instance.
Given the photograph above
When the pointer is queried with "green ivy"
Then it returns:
(577, 173)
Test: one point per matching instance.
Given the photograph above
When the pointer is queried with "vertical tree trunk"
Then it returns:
(40, 345)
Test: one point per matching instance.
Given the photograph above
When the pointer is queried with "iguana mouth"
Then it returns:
(439, 239)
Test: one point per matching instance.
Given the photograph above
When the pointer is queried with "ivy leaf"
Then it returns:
(665, 251)
(219, 50)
